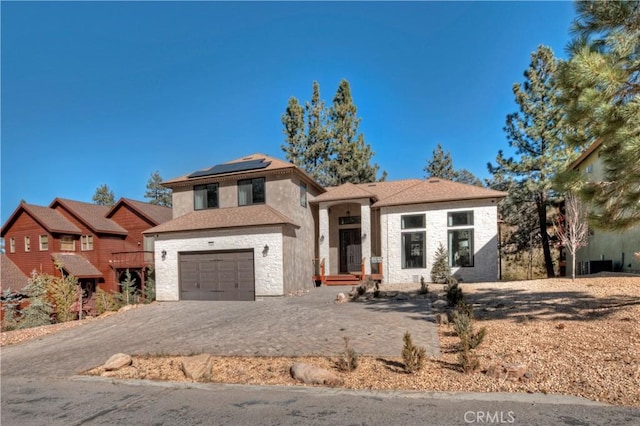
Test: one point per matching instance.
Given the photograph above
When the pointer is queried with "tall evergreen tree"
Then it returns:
(104, 196)
(157, 194)
(350, 159)
(441, 165)
(601, 91)
(536, 132)
(326, 143)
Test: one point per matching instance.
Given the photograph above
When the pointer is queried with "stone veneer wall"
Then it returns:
(268, 265)
(485, 240)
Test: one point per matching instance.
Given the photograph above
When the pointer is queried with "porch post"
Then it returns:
(323, 238)
(365, 234)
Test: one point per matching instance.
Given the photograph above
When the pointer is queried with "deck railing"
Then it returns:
(131, 259)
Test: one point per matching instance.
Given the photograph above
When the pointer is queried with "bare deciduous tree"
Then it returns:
(573, 232)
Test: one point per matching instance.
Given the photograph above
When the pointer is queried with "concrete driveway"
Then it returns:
(311, 324)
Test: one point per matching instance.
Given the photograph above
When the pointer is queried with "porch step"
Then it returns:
(344, 279)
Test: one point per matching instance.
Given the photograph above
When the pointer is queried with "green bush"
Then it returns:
(129, 294)
(39, 310)
(469, 339)
(412, 356)
(11, 312)
(150, 286)
(64, 293)
(106, 301)
(454, 292)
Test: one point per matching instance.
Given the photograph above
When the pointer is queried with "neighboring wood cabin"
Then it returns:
(94, 243)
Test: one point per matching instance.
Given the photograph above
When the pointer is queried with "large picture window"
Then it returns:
(460, 238)
(251, 191)
(205, 196)
(413, 244)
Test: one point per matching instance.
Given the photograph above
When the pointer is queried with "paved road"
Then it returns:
(91, 401)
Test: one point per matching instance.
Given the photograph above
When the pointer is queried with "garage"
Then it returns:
(219, 275)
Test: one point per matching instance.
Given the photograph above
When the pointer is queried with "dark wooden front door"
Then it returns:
(217, 276)
(350, 251)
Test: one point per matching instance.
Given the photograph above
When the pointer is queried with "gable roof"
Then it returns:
(153, 213)
(51, 220)
(435, 190)
(346, 191)
(11, 277)
(230, 217)
(77, 265)
(275, 165)
(92, 215)
(594, 146)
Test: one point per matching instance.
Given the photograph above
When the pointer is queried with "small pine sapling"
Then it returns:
(150, 286)
(128, 290)
(412, 356)
(348, 359)
(424, 287)
(440, 270)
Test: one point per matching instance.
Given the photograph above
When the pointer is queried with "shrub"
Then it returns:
(424, 287)
(39, 310)
(64, 293)
(11, 311)
(469, 340)
(440, 270)
(412, 356)
(106, 301)
(150, 286)
(128, 292)
(454, 292)
(348, 359)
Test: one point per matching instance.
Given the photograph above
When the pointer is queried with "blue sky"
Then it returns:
(109, 92)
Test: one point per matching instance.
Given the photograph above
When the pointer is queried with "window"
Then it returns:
(303, 194)
(27, 244)
(460, 241)
(413, 250)
(412, 221)
(44, 242)
(86, 242)
(67, 243)
(251, 191)
(12, 245)
(460, 218)
(205, 196)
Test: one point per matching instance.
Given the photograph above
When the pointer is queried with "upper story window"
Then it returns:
(251, 191)
(44, 242)
(303, 194)
(12, 245)
(67, 243)
(27, 243)
(86, 242)
(460, 239)
(205, 196)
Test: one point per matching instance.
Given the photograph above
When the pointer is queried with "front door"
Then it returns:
(350, 251)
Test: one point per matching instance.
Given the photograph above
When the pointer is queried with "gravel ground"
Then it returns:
(577, 338)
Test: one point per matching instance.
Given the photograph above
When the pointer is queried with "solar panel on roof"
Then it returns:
(240, 166)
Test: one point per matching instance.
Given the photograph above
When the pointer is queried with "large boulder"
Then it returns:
(118, 361)
(198, 367)
(312, 375)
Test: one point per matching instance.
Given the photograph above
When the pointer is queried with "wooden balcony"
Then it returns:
(131, 259)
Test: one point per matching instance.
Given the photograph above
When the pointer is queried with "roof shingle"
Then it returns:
(11, 277)
(51, 220)
(156, 214)
(93, 215)
(76, 265)
(230, 217)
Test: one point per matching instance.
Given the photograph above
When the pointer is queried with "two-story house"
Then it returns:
(260, 226)
(94, 243)
(606, 250)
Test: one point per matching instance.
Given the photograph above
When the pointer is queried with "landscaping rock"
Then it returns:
(198, 367)
(442, 319)
(341, 298)
(439, 303)
(312, 375)
(510, 371)
(118, 361)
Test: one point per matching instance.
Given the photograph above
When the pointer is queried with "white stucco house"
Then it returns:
(259, 226)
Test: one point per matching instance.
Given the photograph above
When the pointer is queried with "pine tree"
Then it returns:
(40, 309)
(536, 132)
(128, 292)
(104, 196)
(601, 91)
(157, 194)
(350, 155)
(441, 165)
(296, 143)
(440, 271)
(317, 146)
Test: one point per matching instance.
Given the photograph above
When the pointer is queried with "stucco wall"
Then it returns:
(615, 246)
(268, 264)
(485, 242)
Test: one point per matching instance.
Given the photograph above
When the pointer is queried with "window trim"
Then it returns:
(64, 240)
(469, 223)
(470, 228)
(86, 242)
(44, 242)
(252, 180)
(206, 189)
(12, 245)
(27, 244)
(420, 215)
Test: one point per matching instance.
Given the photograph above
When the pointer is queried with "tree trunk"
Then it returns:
(542, 218)
(573, 267)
